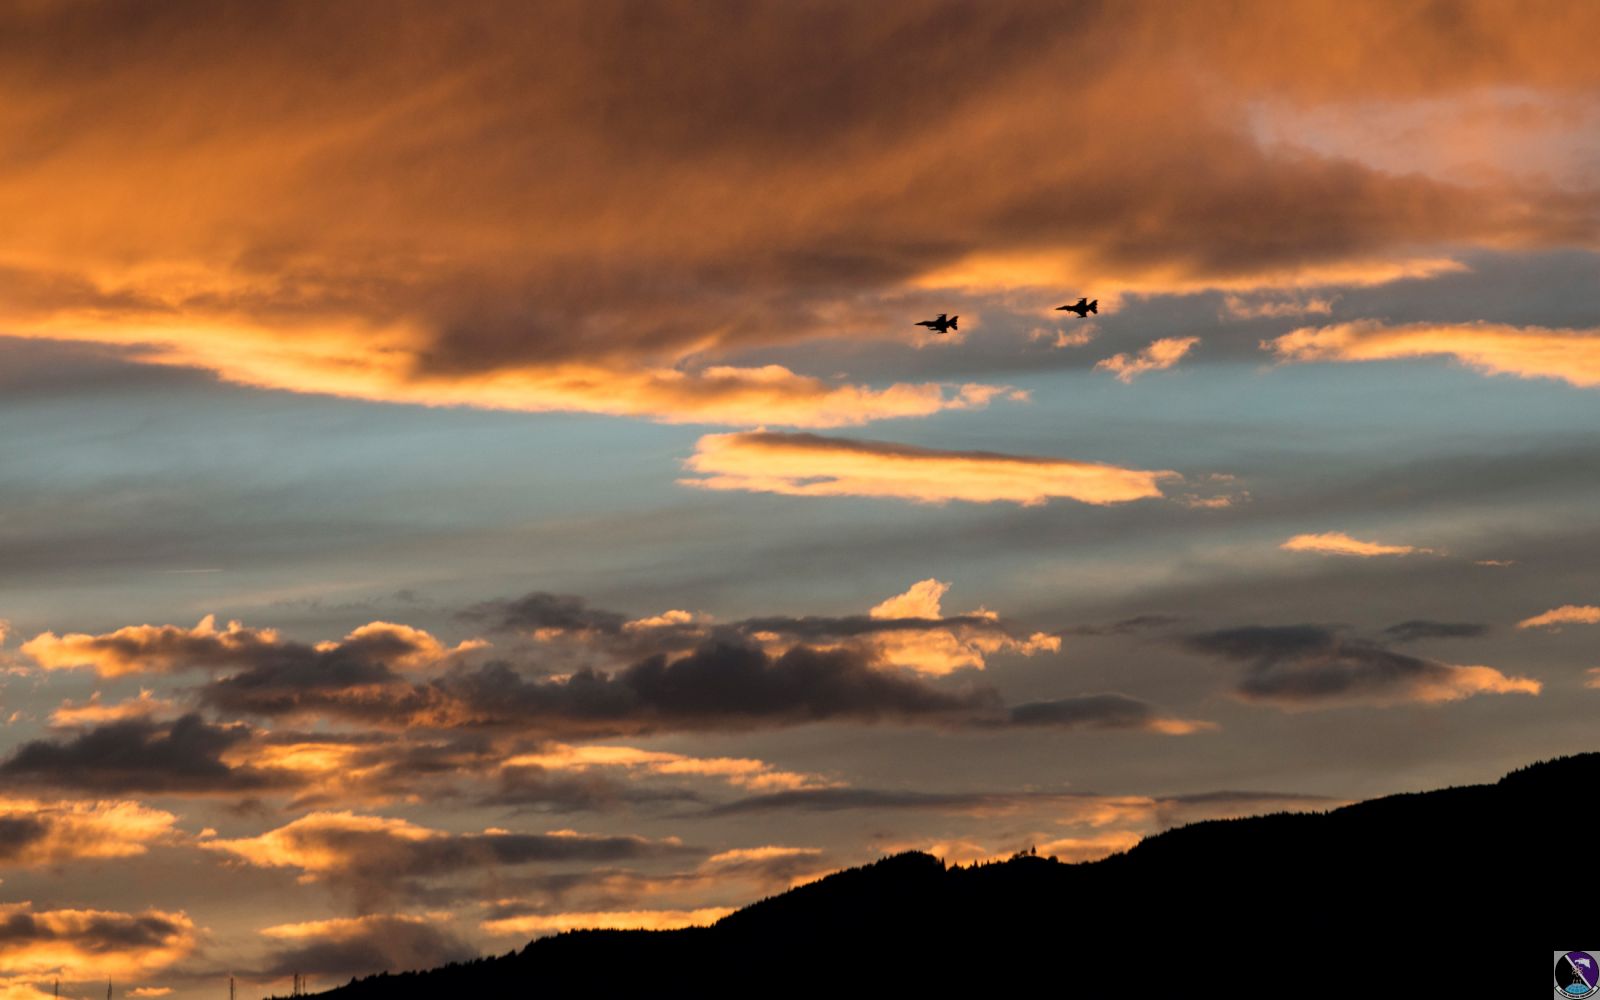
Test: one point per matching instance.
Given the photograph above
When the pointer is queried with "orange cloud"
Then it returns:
(741, 772)
(438, 220)
(945, 648)
(1567, 614)
(84, 944)
(95, 712)
(150, 991)
(338, 928)
(667, 619)
(321, 841)
(622, 920)
(769, 852)
(1159, 355)
(52, 833)
(145, 648)
(1337, 543)
(319, 772)
(1572, 356)
(1466, 681)
(369, 853)
(367, 365)
(812, 466)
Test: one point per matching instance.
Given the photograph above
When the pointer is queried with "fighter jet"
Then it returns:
(940, 325)
(1082, 307)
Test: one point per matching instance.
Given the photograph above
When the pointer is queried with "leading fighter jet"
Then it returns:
(940, 325)
(1082, 307)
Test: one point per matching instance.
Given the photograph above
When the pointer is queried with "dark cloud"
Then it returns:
(717, 686)
(540, 610)
(1099, 711)
(184, 756)
(91, 939)
(364, 656)
(1127, 626)
(568, 613)
(1310, 665)
(1416, 629)
(19, 834)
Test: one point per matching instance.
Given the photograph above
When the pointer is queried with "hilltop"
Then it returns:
(1447, 886)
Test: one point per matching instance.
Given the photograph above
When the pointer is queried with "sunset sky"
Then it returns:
(469, 471)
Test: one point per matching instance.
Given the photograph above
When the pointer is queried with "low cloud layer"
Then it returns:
(375, 861)
(813, 466)
(539, 925)
(338, 949)
(34, 832)
(85, 944)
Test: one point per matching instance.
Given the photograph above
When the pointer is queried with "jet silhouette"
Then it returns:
(940, 325)
(1083, 307)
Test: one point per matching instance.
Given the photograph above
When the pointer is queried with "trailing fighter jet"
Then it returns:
(1083, 307)
(940, 325)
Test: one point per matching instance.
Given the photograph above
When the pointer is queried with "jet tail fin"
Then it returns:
(1094, 307)
(953, 322)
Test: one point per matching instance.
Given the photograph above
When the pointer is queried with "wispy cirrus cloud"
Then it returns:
(1567, 614)
(814, 466)
(1275, 306)
(1571, 356)
(1157, 356)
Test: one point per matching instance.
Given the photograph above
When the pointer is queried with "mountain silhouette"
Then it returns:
(1444, 890)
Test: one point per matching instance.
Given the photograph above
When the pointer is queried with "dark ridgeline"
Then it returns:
(1450, 890)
